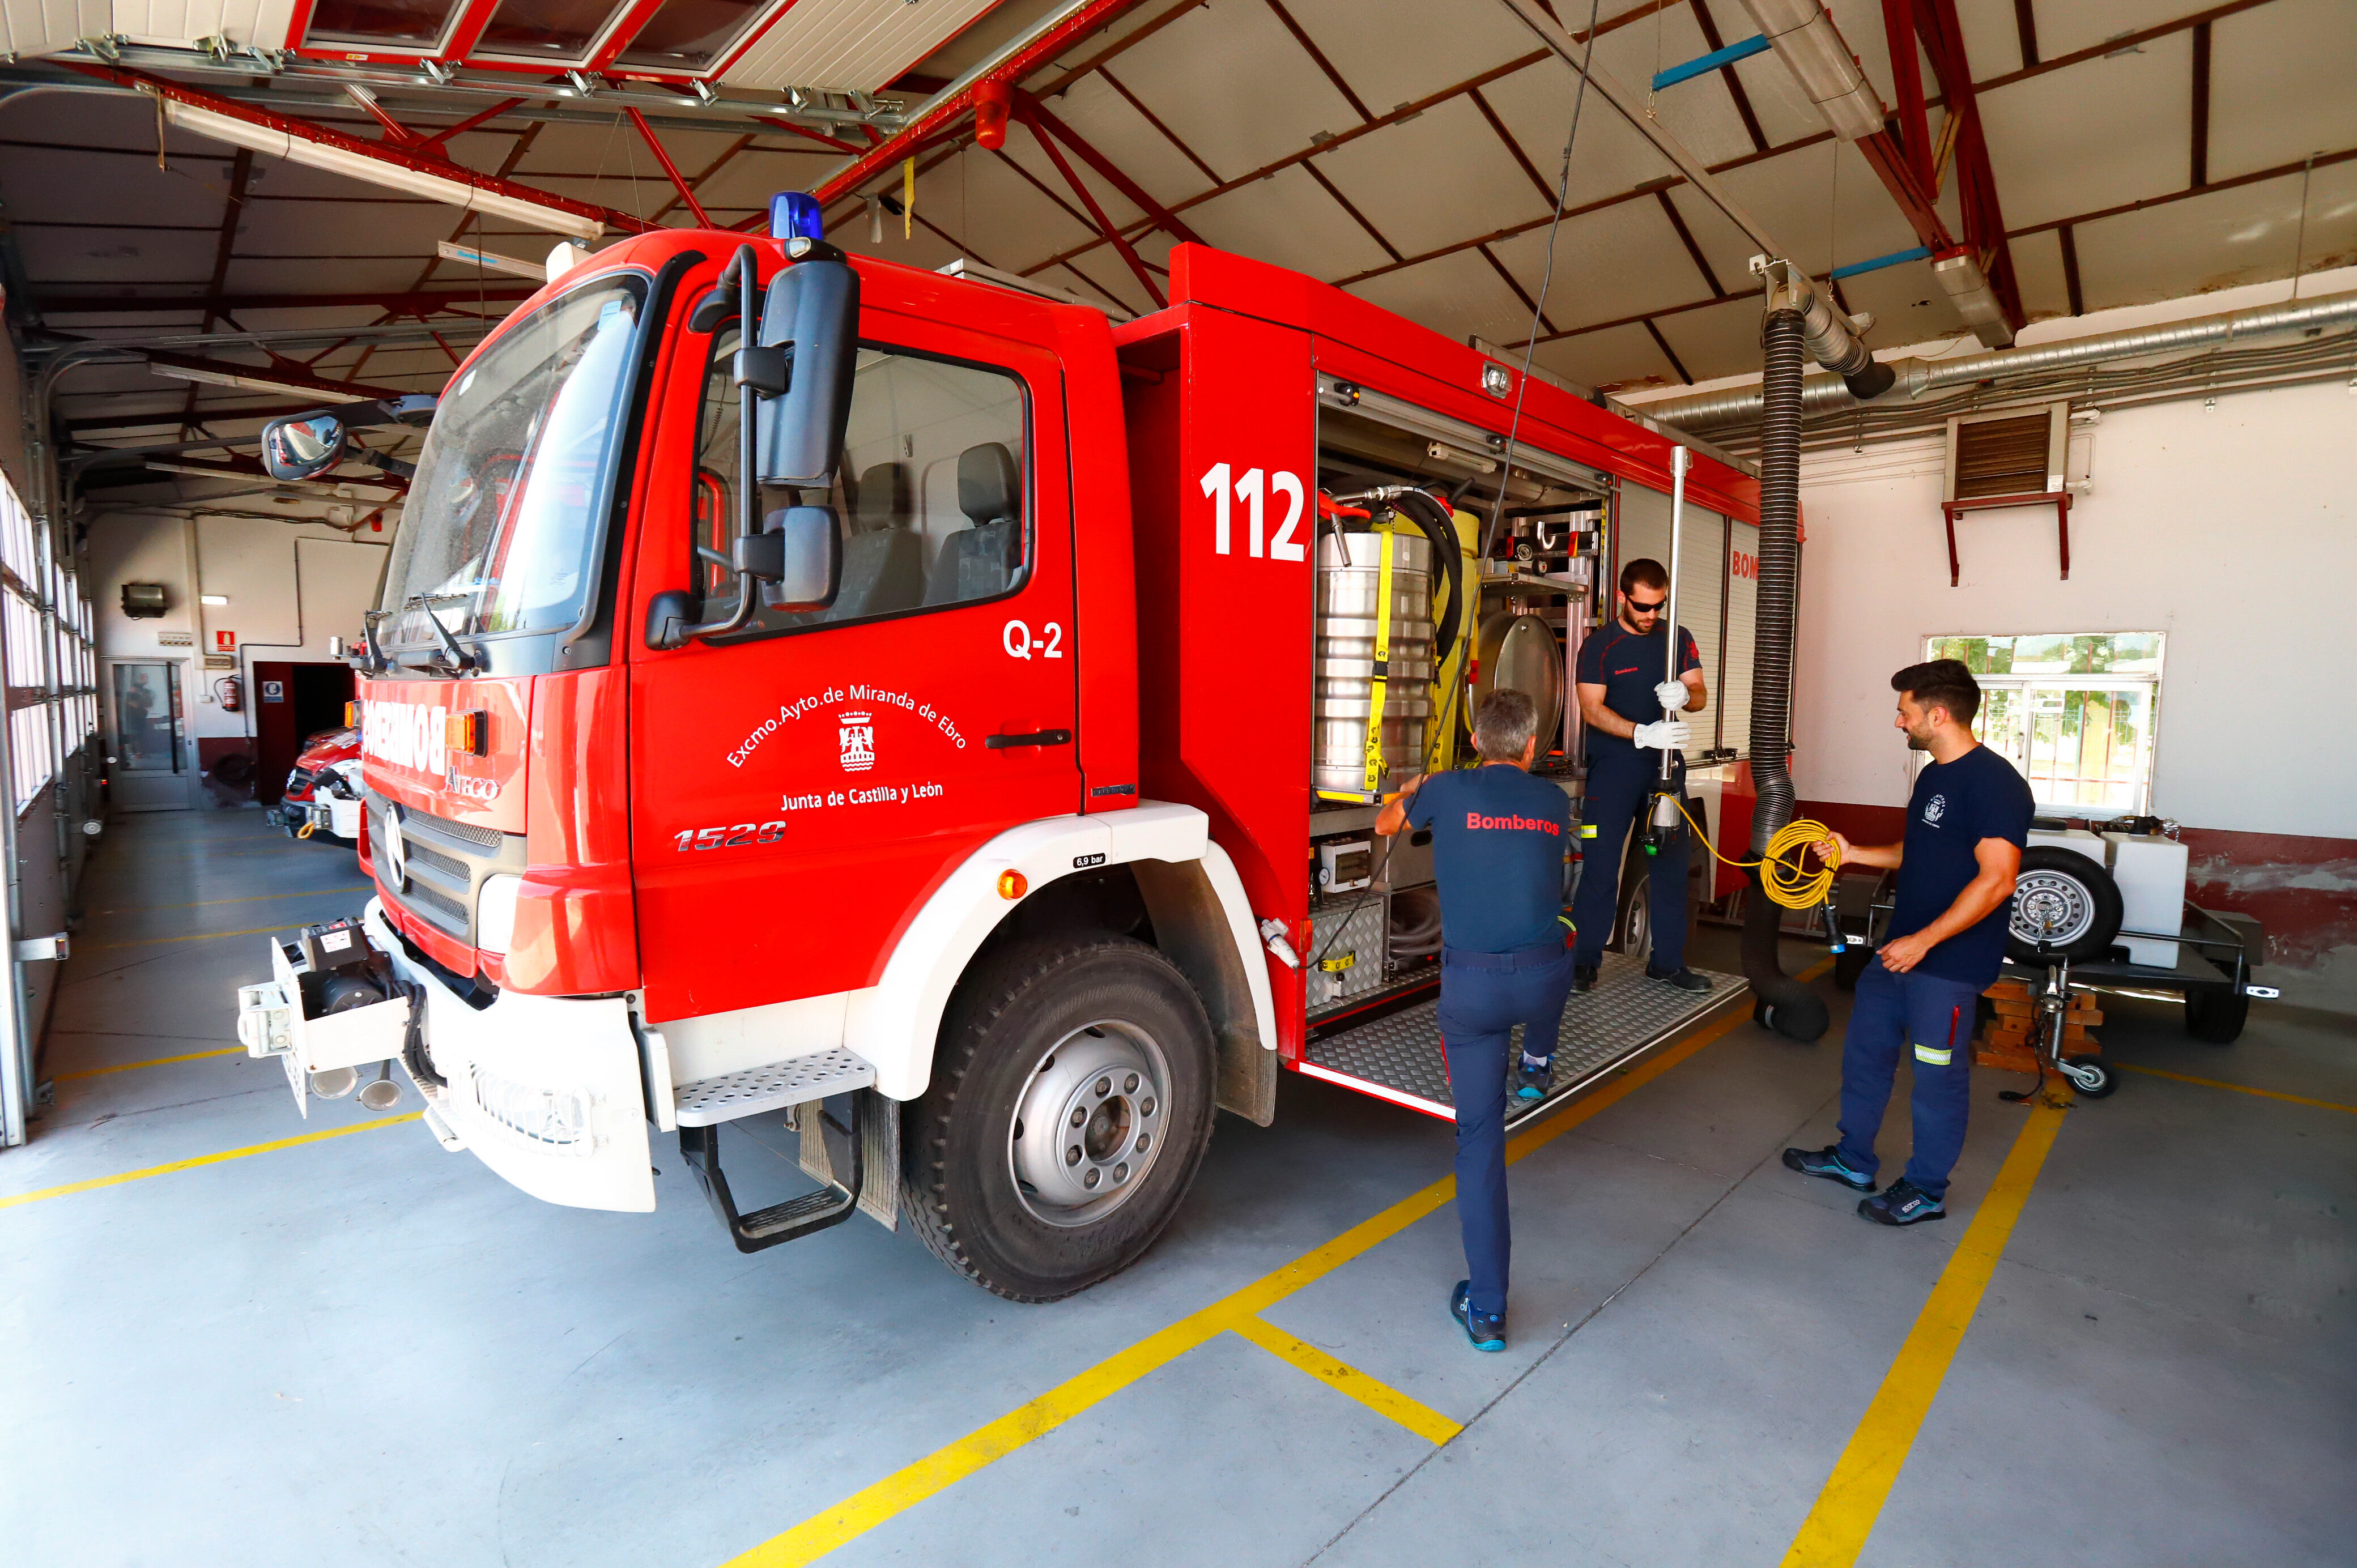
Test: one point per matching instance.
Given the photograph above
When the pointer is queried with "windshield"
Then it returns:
(502, 514)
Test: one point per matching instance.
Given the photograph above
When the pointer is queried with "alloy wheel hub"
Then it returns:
(2050, 909)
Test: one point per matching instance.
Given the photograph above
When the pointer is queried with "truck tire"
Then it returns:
(1069, 1107)
(2216, 1015)
(2066, 909)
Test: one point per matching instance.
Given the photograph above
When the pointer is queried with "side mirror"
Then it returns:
(304, 445)
(812, 318)
(797, 559)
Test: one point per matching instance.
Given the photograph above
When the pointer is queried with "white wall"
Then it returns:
(290, 589)
(2233, 530)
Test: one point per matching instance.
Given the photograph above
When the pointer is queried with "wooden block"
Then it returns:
(2006, 1062)
(2012, 1007)
(2019, 989)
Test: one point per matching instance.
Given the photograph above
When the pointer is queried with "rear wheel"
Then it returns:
(2216, 1016)
(1069, 1107)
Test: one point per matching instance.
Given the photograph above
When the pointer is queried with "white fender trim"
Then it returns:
(895, 1023)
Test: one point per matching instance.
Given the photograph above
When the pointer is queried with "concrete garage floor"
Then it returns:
(361, 1350)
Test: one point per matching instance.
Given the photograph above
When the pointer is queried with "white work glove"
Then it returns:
(1669, 735)
(1672, 695)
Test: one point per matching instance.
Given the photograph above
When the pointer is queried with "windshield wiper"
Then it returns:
(460, 660)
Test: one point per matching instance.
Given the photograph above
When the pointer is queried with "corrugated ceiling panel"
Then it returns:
(1611, 157)
(1287, 221)
(2280, 84)
(2120, 126)
(1602, 358)
(1234, 84)
(846, 45)
(2244, 235)
(1363, 41)
(1106, 121)
(1436, 180)
(2081, 23)
(1608, 264)
(1457, 296)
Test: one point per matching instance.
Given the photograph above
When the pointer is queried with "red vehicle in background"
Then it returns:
(322, 797)
(952, 719)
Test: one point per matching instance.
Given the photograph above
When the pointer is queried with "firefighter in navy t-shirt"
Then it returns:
(1966, 825)
(1624, 690)
(1498, 842)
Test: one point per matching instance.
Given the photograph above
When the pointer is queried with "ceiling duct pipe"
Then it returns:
(1812, 49)
(1914, 378)
(1831, 337)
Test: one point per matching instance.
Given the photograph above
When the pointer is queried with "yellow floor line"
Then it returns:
(193, 936)
(250, 898)
(1381, 1398)
(94, 1183)
(936, 1472)
(1836, 1531)
(2239, 1087)
(157, 1061)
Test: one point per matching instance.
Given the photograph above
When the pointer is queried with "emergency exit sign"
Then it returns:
(224, 642)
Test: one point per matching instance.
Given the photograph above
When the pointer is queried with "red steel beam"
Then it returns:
(1892, 166)
(1907, 87)
(948, 108)
(1105, 226)
(1040, 115)
(654, 145)
(395, 132)
(473, 122)
(398, 157)
(1944, 40)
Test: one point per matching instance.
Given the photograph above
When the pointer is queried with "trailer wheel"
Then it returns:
(2066, 909)
(1070, 1105)
(2090, 1077)
(2216, 1016)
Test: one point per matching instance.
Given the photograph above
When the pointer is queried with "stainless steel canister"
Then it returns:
(1348, 567)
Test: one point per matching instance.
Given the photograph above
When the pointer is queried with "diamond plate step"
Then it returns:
(1398, 1058)
(710, 1101)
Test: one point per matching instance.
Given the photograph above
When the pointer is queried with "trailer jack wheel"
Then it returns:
(1070, 1104)
(2090, 1077)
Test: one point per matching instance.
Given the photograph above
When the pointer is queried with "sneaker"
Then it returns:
(1533, 1082)
(1583, 977)
(1904, 1204)
(1487, 1333)
(1828, 1163)
(1683, 978)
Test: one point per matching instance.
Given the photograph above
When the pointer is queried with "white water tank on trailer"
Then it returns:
(2079, 841)
(2150, 871)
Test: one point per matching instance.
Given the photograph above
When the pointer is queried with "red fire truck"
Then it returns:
(985, 785)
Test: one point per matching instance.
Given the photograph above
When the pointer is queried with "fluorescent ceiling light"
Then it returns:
(490, 261)
(259, 380)
(212, 598)
(360, 166)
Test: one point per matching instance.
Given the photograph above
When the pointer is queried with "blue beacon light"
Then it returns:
(794, 215)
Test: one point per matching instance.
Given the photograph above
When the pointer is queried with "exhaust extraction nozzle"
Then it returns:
(1832, 339)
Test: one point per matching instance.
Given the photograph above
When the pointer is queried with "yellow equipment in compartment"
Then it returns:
(1448, 681)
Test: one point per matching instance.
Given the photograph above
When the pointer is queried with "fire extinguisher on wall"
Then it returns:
(230, 693)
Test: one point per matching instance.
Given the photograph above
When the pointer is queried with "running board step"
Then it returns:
(1398, 1057)
(708, 1102)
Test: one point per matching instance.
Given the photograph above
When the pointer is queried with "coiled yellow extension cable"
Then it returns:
(1786, 883)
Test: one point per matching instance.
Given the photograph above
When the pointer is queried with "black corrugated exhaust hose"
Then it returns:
(1440, 529)
(1783, 1004)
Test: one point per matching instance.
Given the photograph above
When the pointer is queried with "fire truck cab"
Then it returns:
(812, 684)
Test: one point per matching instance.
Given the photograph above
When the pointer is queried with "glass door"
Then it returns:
(149, 758)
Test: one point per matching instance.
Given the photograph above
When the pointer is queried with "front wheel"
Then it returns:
(1070, 1104)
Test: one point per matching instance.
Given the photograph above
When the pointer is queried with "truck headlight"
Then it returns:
(495, 912)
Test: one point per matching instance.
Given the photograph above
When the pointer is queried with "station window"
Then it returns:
(929, 498)
(2075, 712)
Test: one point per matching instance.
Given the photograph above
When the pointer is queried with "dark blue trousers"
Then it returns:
(1931, 1020)
(1619, 783)
(1483, 997)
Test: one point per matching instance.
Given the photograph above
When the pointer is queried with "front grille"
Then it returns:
(449, 865)
(466, 832)
(419, 896)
